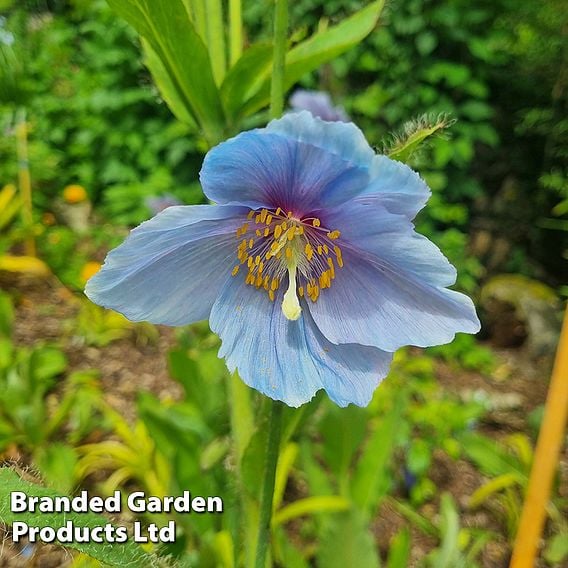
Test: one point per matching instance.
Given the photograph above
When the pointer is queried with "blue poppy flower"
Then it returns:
(319, 104)
(308, 266)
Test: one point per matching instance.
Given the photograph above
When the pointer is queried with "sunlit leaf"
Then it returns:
(166, 25)
(495, 485)
(348, 542)
(26, 264)
(309, 506)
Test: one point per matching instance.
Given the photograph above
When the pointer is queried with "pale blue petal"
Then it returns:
(391, 290)
(396, 187)
(393, 184)
(290, 360)
(263, 169)
(367, 226)
(342, 139)
(170, 269)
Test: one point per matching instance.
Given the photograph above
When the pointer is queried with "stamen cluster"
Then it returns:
(273, 242)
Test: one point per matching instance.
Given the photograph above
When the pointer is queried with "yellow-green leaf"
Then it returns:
(26, 264)
(493, 486)
(310, 505)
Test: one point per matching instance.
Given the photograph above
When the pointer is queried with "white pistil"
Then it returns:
(290, 304)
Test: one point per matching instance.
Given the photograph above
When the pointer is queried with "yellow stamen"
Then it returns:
(235, 270)
(331, 268)
(337, 251)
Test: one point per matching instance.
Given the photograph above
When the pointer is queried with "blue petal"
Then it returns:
(263, 169)
(170, 269)
(393, 184)
(290, 360)
(391, 290)
(339, 138)
(368, 226)
(396, 187)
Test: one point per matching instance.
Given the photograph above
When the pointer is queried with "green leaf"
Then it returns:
(6, 315)
(45, 364)
(254, 457)
(371, 480)
(348, 542)
(119, 554)
(420, 521)
(310, 505)
(557, 549)
(449, 553)
(285, 553)
(216, 39)
(490, 457)
(316, 476)
(343, 431)
(165, 85)
(57, 463)
(399, 551)
(166, 25)
(320, 48)
(175, 428)
(285, 462)
(225, 549)
(242, 421)
(497, 484)
(186, 371)
(419, 457)
(246, 77)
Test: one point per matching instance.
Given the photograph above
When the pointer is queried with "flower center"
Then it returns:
(273, 244)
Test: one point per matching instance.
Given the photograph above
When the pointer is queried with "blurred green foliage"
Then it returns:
(96, 119)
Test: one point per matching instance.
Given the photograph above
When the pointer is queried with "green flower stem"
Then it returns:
(236, 30)
(272, 451)
(279, 62)
(216, 39)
